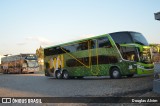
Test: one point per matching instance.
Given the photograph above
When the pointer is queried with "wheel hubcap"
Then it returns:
(115, 73)
(58, 75)
(65, 75)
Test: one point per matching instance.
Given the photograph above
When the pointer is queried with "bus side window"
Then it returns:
(104, 42)
(92, 44)
(82, 46)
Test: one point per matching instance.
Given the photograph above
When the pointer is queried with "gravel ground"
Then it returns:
(37, 85)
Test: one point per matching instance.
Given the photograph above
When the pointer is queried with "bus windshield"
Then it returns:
(32, 63)
(139, 38)
(133, 54)
(129, 53)
(129, 37)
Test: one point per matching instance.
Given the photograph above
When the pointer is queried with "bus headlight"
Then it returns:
(130, 67)
(139, 66)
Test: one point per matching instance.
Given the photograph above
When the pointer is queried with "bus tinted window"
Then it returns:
(53, 51)
(121, 37)
(92, 44)
(104, 42)
(82, 46)
(76, 47)
(129, 53)
(102, 59)
(139, 38)
(70, 48)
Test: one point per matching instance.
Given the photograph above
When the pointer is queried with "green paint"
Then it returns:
(126, 67)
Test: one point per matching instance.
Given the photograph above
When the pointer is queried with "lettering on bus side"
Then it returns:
(55, 63)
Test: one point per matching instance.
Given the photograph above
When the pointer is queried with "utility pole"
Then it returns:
(156, 81)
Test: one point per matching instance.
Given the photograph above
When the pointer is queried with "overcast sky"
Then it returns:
(27, 24)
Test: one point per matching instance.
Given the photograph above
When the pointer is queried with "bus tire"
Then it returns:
(4, 71)
(156, 76)
(65, 75)
(20, 71)
(130, 75)
(115, 73)
(58, 74)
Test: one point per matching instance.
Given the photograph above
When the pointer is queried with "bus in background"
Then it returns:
(22, 63)
(96, 56)
(134, 47)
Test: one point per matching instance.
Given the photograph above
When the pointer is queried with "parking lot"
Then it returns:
(37, 85)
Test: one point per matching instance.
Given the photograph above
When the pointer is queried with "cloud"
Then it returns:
(22, 43)
(42, 41)
(86, 36)
(45, 42)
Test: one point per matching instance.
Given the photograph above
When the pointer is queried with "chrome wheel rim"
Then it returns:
(115, 73)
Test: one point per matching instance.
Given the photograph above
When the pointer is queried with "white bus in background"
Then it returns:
(22, 63)
(0, 62)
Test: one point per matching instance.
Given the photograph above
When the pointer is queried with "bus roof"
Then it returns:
(87, 39)
(123, 32)
(76, 41)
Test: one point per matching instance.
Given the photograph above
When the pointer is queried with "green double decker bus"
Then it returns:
(115, 54)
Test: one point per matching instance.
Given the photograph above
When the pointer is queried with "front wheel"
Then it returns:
(115, 73)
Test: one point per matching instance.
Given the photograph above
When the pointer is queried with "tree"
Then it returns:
(40, 53)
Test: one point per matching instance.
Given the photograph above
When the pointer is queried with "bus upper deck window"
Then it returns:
(104, 42)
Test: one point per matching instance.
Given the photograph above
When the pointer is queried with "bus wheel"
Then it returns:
(115, 73)
(156, 76)
(20, 71)
(7, 72)
(130, 75)
(65, 75)
(58, 74)
(4, 72)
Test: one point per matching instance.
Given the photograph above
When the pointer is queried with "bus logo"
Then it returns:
(6, 100)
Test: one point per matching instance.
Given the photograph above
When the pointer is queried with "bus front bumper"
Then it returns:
(144, 71)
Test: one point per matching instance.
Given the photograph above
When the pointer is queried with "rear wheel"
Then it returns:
(6, 72)
(115, 73)
(58, 74)
(20, 71)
